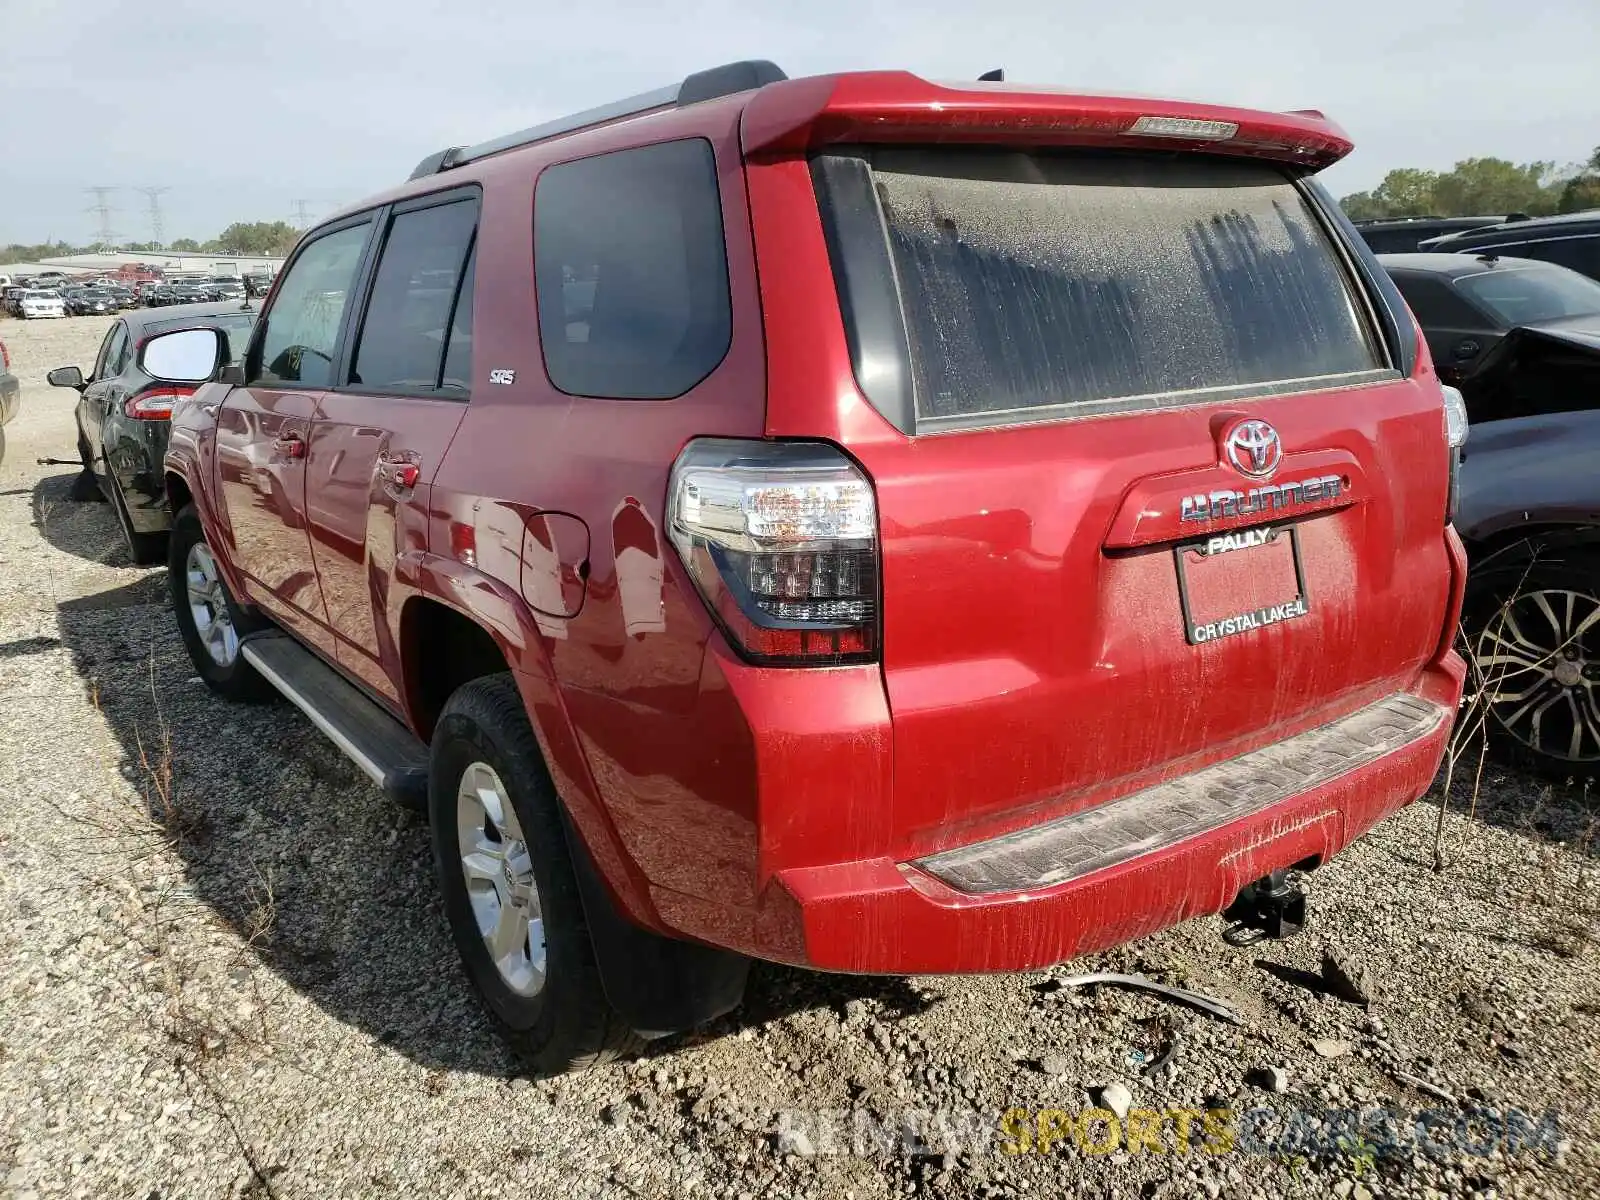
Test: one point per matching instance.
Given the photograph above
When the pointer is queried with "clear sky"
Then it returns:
(243, 109)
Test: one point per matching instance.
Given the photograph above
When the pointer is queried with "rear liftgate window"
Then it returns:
(1035, 286)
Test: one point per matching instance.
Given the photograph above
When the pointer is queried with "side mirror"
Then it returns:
(70, 377)
(184, 356)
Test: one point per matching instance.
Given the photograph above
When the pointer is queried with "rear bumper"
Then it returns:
(903, 918)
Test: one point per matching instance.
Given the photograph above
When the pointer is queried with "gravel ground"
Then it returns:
(224, 972)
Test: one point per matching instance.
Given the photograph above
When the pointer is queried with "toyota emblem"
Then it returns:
(1253, 448)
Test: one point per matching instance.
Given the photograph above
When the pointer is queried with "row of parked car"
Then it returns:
(99, 298)
(947, 555)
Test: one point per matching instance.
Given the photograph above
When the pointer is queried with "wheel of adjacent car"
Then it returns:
(143, 548)
(1532, 623)
(209, 618)
(509, 893)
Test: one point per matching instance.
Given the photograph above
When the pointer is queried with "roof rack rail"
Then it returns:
(702, 85)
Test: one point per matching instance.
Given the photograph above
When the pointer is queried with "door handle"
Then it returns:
(290, 445)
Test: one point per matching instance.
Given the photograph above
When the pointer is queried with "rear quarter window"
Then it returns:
(1037, 285)
(632, 272)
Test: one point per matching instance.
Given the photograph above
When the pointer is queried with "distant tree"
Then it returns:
(1493, 185)
(18, 253)
(256, 237)
(1407, 192)
(183, 245)
(1363, 206)
(1580, 194)
(1473, 187)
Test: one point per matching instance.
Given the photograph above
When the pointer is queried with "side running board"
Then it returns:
(382, 747)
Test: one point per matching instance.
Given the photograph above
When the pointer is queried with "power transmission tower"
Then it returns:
(158, 227)
(302, 213)
(102, 209)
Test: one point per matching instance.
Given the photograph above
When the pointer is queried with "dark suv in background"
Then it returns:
(1571, 240)
(1392, 235)
(853, 521)
(1521, 339)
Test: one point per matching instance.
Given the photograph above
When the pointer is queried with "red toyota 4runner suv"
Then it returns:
(854, 521)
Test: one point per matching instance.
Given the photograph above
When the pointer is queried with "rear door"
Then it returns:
(264, 428)
(1109, 363)
(104, 390)
(382, 430)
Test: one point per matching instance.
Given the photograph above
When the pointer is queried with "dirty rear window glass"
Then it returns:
(1091, 283)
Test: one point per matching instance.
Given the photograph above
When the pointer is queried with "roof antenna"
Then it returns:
(998, 75)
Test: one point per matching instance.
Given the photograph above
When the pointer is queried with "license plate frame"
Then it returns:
(1297, 606)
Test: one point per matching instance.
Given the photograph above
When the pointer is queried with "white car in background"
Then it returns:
(42, 304)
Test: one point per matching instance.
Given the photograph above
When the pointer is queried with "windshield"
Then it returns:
(1524, 295)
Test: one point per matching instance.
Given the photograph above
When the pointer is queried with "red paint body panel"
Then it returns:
(1034, 658)
(871, 916)
(262, 490)
(897, 106)
(360, 520)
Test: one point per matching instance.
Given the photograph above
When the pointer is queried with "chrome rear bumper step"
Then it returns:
(1169, 813)
(385, 750)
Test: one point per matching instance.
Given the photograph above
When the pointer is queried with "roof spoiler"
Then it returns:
(725, 80)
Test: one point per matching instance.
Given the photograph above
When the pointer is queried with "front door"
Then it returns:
(383, 429)
(264, 430)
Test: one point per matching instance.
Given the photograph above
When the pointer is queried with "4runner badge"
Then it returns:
(1270, 499)
(502, 375)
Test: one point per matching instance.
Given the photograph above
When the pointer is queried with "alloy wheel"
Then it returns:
(208, 606)
(1540, 658)
(499, 879)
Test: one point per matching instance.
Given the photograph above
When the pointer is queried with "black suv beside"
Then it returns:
(1571, 240)
(1400, 235)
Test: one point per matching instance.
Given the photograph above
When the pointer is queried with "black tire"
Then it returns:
(86, 487)
(235, 680)
(568, 1025)
(1523, 604)
(145, 549)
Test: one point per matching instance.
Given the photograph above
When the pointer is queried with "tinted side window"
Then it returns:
(1436, 306)
(407, 322)
(458, 354)
(122, 357)
(302, 326)
(1392, 241)
(1581, 254)
(110, 351)
(632, 272)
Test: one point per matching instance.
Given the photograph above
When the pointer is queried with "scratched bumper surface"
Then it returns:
(1175, 811)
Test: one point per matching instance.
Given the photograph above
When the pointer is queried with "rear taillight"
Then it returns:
(1455, 436)
(155, 404)
(781, 539)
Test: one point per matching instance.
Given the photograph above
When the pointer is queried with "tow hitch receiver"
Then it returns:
(1271, 907)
